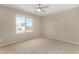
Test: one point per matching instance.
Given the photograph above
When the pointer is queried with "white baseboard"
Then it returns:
(69, 41)
(12, 42)
(17, 41)
(64, 40)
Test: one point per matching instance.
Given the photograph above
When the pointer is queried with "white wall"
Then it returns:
(63, 25)
(8, 26)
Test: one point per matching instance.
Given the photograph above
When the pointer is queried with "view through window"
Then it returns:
(28, 25)
(23, 24)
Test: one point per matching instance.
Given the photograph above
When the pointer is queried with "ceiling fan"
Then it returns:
(41, 8)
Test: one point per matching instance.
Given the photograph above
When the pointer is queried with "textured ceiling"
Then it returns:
(53, 8)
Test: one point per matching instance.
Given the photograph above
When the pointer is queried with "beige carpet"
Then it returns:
(40, 46)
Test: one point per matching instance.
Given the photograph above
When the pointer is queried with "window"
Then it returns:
(20, 24)
(28, 25)
(23, 24)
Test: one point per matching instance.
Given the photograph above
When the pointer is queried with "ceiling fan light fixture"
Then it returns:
(38, 10)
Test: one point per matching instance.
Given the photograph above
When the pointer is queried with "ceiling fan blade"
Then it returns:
(42, 10)
(44, 7)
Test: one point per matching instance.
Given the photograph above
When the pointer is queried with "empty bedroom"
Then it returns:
(39, 28)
